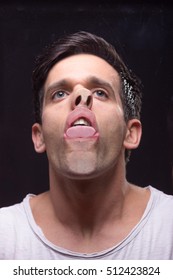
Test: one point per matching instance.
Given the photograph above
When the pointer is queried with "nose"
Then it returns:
(82, 97)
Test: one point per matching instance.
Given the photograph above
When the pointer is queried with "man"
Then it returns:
(87, 109)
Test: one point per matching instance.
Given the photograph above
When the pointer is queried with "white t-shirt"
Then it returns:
(152, 238)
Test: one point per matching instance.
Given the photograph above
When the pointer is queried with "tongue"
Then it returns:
(80, 132)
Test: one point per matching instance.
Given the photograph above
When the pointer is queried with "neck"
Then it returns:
(87, 204)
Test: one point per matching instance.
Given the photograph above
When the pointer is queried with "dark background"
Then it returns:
(143, 34)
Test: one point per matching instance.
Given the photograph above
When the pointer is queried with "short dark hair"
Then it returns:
(79, 43)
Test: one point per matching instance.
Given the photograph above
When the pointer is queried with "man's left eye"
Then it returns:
(100, 94)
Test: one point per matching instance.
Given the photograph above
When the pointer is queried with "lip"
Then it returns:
(81, 112)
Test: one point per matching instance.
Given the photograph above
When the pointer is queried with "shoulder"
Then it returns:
(161, 199)
(14, 227)
(161, 208)
(13, 217)
(9, 212)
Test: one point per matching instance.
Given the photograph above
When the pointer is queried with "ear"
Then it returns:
(133, 134)
(37, 138)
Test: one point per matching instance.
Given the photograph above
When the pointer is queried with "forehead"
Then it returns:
(80, 67)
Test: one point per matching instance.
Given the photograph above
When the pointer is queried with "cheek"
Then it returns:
(53, 123)
(111, 120)
(112, 130)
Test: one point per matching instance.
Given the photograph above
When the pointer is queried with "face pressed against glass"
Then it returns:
(92, 83)
(89, 81)
(84, 75)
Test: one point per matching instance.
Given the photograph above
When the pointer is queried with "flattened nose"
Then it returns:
(83, 97)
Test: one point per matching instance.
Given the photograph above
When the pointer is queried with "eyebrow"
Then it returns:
(60, 84)
(97, 81)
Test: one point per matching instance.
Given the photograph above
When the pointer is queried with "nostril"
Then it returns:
(89, 100)
(83, 99)
(78, 100)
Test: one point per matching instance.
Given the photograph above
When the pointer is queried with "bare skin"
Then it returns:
(86, 227)
(90, 206)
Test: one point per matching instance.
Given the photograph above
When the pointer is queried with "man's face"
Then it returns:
(83, 127)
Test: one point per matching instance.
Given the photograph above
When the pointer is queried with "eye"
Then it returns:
(101, 94)
(59, 95)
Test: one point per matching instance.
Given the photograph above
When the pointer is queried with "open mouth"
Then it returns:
(81, 122)
(81, 128)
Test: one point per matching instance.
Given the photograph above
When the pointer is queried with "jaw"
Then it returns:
(85, 158)
(81, 158)
(81, 166)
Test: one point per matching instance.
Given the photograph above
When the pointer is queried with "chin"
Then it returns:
(81, 168)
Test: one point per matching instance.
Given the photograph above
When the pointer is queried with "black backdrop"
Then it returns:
(143, 34)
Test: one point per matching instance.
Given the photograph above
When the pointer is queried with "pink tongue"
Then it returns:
(80, 131)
